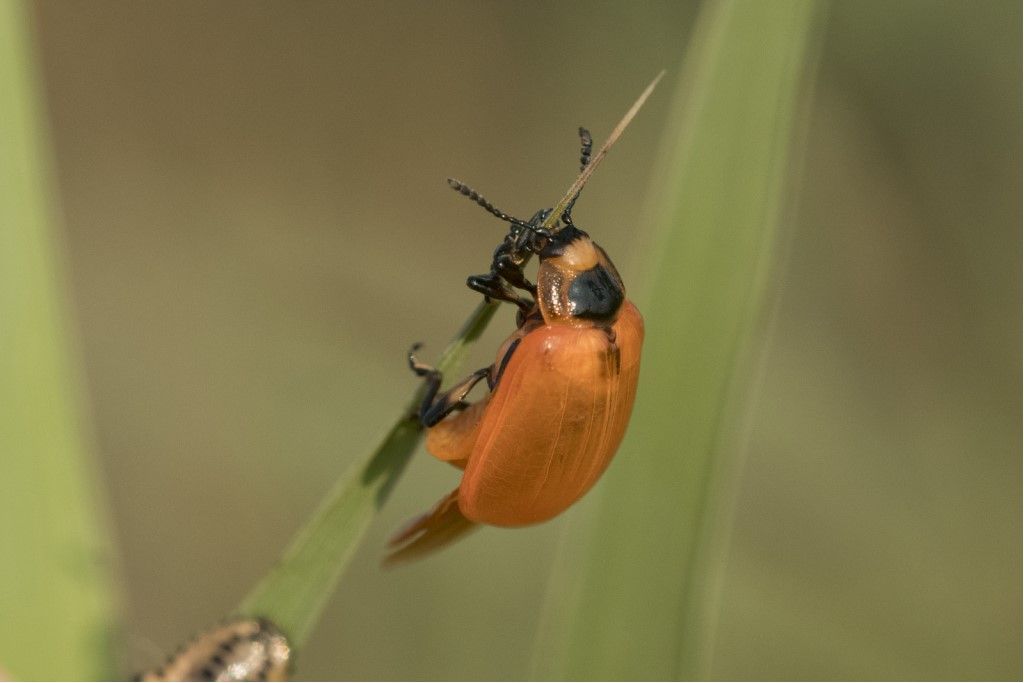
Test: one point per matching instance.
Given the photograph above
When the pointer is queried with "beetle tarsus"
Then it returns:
(421, 369)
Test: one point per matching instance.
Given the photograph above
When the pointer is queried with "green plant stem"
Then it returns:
(293, 594)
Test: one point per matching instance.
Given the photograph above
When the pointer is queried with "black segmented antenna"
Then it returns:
(468, 191)
(586, 146)
(587, 143)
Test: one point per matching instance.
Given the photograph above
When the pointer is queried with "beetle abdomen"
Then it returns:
(554, 422)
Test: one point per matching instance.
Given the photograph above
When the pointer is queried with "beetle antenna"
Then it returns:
(586, 146)
(468, 191)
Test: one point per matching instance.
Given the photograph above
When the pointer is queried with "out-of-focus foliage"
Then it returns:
(56, 601)
(258, 227)
(715, 212)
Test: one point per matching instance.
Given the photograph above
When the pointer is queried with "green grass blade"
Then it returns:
(629, 596)
(56, 597)
(293, 594)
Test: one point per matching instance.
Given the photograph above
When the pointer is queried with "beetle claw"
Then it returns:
(429, 532)
(415, 365)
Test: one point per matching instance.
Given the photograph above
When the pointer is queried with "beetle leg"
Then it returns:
(432, 531)
(435, 406)
(491, 383)
(493, 286)
(507, 268)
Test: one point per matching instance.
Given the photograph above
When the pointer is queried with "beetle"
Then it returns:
(561, 388)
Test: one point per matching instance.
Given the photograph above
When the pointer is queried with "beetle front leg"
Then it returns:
(436, 406)
(493, 286)
(507, 268)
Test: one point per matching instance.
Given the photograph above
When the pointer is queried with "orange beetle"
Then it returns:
(561, 388)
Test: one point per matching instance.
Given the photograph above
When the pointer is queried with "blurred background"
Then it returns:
(257, 227)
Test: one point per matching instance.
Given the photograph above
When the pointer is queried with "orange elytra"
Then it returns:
(561, 387)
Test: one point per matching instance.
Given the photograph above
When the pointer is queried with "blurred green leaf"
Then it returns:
(293, 594)
(55, 591)
(630, 597)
